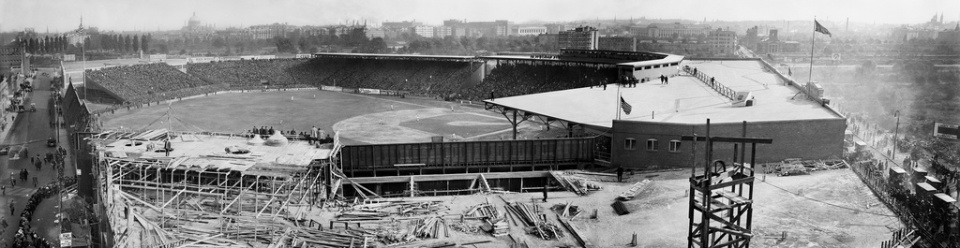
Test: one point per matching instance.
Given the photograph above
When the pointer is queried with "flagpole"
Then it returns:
(813, 40)
(617, 101)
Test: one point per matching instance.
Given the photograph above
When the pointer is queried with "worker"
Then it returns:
(620, 174)
(544, 193)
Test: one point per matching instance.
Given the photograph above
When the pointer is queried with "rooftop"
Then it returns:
(202, 152)
(684, 100)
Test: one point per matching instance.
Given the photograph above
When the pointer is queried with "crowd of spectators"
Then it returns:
(437, 78)
(148, 82)
(26, 236)
(440, 79)
(509, 79)
(242, 73)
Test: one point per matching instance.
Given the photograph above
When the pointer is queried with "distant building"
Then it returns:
(903, 34)
(676, 30)
(722, 42)
(478, 29)
(773, 44)
(950, 36)
(443, 31)
(555, 28)
(585, 38)
(525, 31)
(404, 25)
(424, 31)
(617, 44)
(263, 32)
(10, 56)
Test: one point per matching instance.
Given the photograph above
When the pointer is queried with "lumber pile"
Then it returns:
(566, 210)
(464, 227)
(537, 225)
(579, 186)
(634, 190)
(483, 210)
(576, 233)
(431, 227)
(313, 238)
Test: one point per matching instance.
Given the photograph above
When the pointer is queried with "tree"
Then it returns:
(145, 42)
(127, 44)
(136, 44)
(284, 45)
(218, 42)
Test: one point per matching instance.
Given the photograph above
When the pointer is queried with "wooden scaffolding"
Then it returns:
(721, 198)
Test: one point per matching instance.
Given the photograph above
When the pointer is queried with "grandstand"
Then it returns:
(143, 83)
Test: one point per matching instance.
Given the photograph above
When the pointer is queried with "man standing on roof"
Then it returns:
(313, 134)
(167, 147)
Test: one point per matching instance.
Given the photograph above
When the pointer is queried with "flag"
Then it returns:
(626, 106)
(821, 29)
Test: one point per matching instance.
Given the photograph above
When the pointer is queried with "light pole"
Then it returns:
(896, 131)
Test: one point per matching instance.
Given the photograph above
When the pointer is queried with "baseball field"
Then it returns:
(359, 119)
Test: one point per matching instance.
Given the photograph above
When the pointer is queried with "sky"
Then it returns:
(151, 15)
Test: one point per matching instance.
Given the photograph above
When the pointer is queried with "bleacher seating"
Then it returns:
(522, 79)
(148, 82)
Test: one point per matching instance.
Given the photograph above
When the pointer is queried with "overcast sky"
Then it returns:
(151, 15)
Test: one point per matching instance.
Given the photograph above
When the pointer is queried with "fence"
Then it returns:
(472, 153)
(930, 222)
(713, 83)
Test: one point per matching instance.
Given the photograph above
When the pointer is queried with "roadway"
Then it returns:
(34, 129)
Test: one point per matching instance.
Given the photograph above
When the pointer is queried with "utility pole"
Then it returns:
(896, 132)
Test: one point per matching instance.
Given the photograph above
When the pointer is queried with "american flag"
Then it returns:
(626, 106)
(821, 29)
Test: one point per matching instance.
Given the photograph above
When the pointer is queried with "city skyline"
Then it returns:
(173, 14)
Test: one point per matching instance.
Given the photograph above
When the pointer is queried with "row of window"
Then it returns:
(652, 145)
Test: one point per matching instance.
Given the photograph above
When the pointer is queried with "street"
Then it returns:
(32, 128)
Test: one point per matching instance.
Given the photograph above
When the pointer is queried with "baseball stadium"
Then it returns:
(377, 150)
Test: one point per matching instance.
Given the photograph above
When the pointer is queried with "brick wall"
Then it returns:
(805, 139)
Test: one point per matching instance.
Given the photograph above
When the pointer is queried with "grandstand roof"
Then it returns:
(684, 100)
(668, 58)
(207, 152)
(394, 56)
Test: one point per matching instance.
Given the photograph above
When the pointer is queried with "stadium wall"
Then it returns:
(804, 139)
(476, 154)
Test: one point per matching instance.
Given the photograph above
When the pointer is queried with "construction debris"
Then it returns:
(619, 208)
(431, 227)
(576, 234)
(567, 210)
(483, 210)
(536, 224)
(634, 190)
(577, 185)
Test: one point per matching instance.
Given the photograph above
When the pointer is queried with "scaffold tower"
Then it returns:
(721, 198)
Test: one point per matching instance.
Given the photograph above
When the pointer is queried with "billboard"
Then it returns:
(370, 91)
(69, 57)
(158, 57)
(946, 131)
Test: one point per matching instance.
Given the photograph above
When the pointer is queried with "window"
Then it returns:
(630, 144)
(652, 145)
(674, 146)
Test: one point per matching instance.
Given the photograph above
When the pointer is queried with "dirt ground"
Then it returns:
(824, 209)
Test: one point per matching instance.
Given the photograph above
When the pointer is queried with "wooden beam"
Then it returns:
(452, 177)
(172, 198)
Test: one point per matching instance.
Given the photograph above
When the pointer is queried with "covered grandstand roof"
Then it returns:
(395, 56)
(618, 58)
(684, 100)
